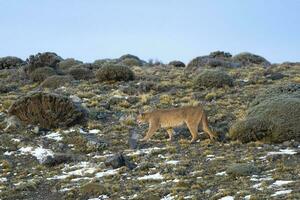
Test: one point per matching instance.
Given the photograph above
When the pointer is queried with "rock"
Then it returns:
(59, 158)
(118, 161)
(242, 169)
(94, 142)
(275, 76)
(133, 140)
(47, 110)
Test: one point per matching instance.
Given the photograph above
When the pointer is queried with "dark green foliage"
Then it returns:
(40, 74)
(56, 81)
(66, 64)
(249, 59)
(47, 59)
(242, 169)
(272, 120)
(213, 78)
(47, 110)
(176, 63)
(10, 62)
(131, 62)
(5, 87)
(220, 54)
(82, 72)
(114, 73)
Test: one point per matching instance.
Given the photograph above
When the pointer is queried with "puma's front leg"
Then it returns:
(152, 129)
(170, 133)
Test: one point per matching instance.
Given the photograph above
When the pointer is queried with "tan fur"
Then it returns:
(192, 116)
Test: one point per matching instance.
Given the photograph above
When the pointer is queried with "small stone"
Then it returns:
(118, 160)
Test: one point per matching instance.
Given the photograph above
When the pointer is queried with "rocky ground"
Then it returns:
(70, 163)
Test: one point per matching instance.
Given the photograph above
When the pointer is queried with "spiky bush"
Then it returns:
(250, 59)
(66, 64)
(47, 110)
(47, 59)
(40, 74)
(10, 62)
(81, 72)
(273, 120)
(56, 81)
(176, 63)
(212, 78)
(131, 62)
(114, 73)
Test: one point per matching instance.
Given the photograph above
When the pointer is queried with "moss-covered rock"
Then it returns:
(56, 81)
(47, 59)
(10, 62)
(40, 74)
(250, 59)
(213, 78)
(176, 63)
(47, 110)
(272, 120)
(114, 73)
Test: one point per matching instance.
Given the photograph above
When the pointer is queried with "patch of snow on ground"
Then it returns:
(279, 183)
(281, 192)
(54, 136)
(227, 198)
(156, 176)
(107, 173)
(144, 151)
(221, 173)
(172, 162)
(257, 178)
(283, 151)
(8, 153)
(2, 180)
(257, 186)
(168, 197)
(101, 197)
(94, 131)
(15, 140)
(40, 153)
(248, 197)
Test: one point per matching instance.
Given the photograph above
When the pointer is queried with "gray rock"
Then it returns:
(118, 160)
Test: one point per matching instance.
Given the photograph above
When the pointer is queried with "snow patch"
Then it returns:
(156, 176)
(101, 197)
(279, 183)
(40, 153)
(172, 162)
(54, 136)
(2, 180)
(227, 198)
(107, 173)
(248, 197)
(94, 131)
(281, 192)
(144, 151)
(221, 173)
(168, 197)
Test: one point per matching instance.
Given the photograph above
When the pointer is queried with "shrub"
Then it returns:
(66, 64)
(128, 56)
(47, 59)
(10, 62)
(272, 120)
(40, 74)
(101, 62)
(250, 59)
(213, 78)
(81, 72)
(176, 63)
(47, 110)
(114, 73)
(56, 81)
(131, 62)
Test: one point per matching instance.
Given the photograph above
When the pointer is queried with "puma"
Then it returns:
(192, 116)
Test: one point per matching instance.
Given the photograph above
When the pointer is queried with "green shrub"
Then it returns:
(10, 61)
(176, 63)
(128, 56)
(272, 120)
(213, 78)
(56, 81)
(81, 73)
(114, 73)
(250, 59)
(66, 64)
(131, 62)
(40, 74)
(47, 59)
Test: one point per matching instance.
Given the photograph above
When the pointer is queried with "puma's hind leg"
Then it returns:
(206, 128)
(193, 128)
(170, 133)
